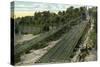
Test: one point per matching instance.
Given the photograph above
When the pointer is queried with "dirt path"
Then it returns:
(34, 55)
(92, 56)
(26, 38)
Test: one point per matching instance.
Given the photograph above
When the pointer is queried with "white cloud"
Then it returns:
(37, 6)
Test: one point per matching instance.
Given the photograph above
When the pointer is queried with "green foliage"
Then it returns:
(47, 19)
(40, 45)
(93, 36)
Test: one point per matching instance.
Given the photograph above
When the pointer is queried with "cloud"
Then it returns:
(37, 6)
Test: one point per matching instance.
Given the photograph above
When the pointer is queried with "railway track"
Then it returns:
(63, 49)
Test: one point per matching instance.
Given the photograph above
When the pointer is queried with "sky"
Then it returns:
(22, 8)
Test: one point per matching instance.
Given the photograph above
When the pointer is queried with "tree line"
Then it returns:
(47, 20)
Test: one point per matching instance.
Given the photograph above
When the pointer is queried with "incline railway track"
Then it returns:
(63, 49)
